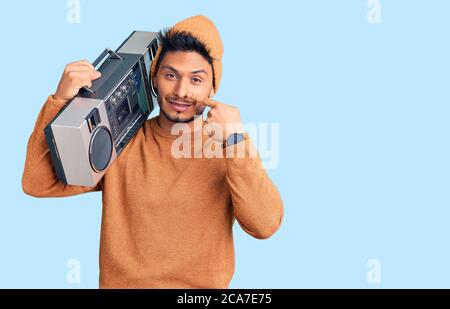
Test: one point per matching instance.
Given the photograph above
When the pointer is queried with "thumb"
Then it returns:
(96, 75)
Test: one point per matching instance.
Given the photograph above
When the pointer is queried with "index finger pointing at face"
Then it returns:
(210, 102)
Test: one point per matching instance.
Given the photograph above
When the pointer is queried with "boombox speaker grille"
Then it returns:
(100, 150)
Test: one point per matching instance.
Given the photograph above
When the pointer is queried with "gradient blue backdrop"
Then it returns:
(364, 121)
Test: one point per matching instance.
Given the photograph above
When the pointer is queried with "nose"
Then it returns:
(182, 89)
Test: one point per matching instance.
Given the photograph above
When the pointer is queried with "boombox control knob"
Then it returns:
(113, 101)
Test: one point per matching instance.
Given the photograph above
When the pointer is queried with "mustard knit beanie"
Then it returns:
(204, 30)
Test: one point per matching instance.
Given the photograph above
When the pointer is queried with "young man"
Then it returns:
(167, 222)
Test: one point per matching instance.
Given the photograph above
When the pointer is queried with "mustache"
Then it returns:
(183, 100)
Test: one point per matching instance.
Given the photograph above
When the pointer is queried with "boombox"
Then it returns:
(91, 131)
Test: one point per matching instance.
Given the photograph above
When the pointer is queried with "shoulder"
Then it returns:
(148, 126)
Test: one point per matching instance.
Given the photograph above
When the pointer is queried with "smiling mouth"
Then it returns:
(179, 107)
(179, 103)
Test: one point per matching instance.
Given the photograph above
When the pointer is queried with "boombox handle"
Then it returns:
(100, 60)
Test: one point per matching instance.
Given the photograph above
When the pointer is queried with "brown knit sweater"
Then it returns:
(166, 222)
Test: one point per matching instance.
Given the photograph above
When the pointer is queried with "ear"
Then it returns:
(155, 85)
(212, 93)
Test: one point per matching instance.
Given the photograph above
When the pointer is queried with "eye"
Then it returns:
(196, 80)
(171, 75)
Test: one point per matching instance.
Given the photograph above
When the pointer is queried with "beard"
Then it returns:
(178, 117)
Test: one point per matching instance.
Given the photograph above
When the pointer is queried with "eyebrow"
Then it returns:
(168, 67)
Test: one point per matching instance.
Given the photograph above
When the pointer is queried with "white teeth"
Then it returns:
(180, 104)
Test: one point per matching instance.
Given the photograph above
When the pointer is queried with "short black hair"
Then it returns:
(181, 41)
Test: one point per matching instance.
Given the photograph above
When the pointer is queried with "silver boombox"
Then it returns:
(90, 132)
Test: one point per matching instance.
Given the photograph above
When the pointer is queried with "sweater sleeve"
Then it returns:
(257, 204)
(39, 177)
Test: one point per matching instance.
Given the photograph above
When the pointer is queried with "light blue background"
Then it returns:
(364, 121)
